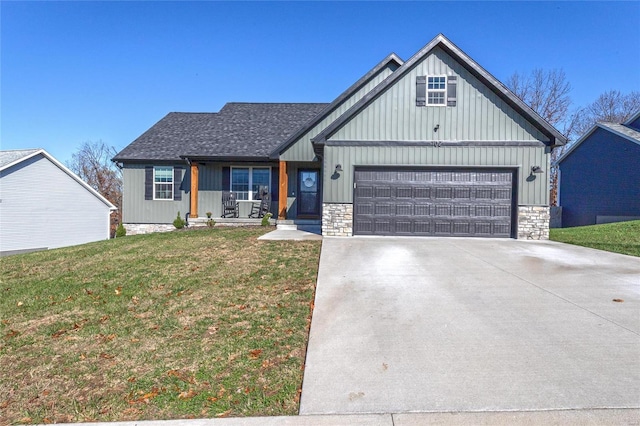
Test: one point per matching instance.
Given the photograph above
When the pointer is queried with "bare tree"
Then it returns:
(92, 163)
(611, 106)
(546, 92)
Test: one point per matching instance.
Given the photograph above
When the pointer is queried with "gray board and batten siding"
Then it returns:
(137, 209)
(479, 115)
(44, 207)
(532, 189)
(302, 149)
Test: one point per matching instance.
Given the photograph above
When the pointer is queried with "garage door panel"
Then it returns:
(428, 202)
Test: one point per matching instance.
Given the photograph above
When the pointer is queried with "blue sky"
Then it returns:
(85, 71)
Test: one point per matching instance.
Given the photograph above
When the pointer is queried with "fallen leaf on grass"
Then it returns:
(118, 290)
(106, 356)
(104, 319)
(254, 354)
(224, 414)
(187, 394)
(10, 334)
(58, 333)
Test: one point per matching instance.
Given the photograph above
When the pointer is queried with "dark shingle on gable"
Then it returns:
(238, 130)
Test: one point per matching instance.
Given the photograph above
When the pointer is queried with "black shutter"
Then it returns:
(177, 183)
(452, 86)
(275, 183)
(226, 178)
(421, 90)
(148, 183)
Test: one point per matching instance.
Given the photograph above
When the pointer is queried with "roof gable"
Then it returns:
(619, 130)
(441, 43)
(19, 156)
(633, 121)
(15, 156)
(390, 64)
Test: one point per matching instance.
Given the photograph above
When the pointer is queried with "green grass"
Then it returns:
(198, 323)
(621, 237)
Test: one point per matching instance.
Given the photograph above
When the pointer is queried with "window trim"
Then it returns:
(163, 183)
(443, 91)
(250, 168)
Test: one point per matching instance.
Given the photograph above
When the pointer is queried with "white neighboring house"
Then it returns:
(44, 205)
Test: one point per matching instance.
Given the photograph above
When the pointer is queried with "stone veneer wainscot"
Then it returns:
(147, 228)
(337, 220)
(533, 222)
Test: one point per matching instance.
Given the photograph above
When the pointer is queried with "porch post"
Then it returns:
(284, 191)
(194, 190)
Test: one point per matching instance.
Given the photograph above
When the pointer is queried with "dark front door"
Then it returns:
(308, 193)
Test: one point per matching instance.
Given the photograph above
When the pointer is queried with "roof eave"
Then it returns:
(633, 118)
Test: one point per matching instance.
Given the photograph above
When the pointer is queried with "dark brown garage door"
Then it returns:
(433, 202)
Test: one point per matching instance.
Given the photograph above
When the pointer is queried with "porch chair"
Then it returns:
(262, 208)
(230, 206)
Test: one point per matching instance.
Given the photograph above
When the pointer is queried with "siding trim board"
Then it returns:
(434, 143)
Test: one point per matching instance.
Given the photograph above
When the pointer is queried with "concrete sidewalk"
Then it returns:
(471, 325)
(290, 234)
(563, 417)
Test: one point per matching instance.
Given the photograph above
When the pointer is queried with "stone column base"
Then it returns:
(533, 222)
(337, 220)
(147, 228)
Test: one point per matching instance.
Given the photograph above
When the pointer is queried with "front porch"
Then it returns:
(307, 225)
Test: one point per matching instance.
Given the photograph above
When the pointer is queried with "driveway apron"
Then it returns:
(446, 324)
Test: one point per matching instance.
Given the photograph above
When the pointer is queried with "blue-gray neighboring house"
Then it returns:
(599, 176)
(44, 205)
(431, 146)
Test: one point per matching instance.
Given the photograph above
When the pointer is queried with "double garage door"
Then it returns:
(433, 202)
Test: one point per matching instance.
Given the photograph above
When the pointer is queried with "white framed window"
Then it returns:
(437, 90)
(247, 181)
(163, 183)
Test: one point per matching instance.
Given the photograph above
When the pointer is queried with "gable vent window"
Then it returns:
(436, 90)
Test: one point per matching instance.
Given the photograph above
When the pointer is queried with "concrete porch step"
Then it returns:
(287, 225)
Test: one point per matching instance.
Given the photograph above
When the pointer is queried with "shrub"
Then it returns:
(265, 219)
(211, 223)
(120, 231)
(209, 215)
(178, 222)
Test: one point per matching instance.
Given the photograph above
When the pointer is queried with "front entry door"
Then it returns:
(308, 193)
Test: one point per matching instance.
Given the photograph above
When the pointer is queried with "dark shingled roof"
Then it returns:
(239, 130)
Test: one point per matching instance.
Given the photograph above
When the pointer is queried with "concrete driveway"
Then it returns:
(445, 324)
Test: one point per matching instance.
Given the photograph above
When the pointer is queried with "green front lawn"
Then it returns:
(198, 323)
(621, 237)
